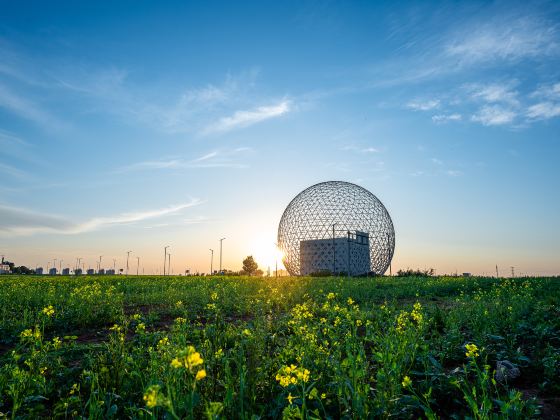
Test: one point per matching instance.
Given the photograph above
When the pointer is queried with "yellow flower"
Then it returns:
(331, 296)
(290, 398)
(201, 374)
(350, 301)
(141, 327)
(472, 351)
(26, 333)
(247, 332)
(176, 363)
(193, 358)
(48, 310)
(151, 396)
(323, 396)
(406, 382)
(358, 322)
(163, 342)
(42, 370)
(56, 342)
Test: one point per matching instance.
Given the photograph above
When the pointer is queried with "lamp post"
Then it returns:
(221, 240)
(211, 261)
(164, 257)
(333, 251)
(127, 255)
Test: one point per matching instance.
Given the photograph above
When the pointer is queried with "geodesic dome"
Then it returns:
(350, 208)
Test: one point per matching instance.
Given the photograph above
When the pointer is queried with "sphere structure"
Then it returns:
(349, 209)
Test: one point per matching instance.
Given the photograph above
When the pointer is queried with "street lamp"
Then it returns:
(127, 255)
(333, 251)
(221, 240)
(164, 257)
(211, 261)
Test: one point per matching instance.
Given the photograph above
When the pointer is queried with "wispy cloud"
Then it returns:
(16, 221)
(443, 118)
(544, 110)
(221, 158)
(358, 149)
(12, 171)
(494, 115)
(494, 92)
(245, 118)
(27, 109)
(426, 105)
(505, 38)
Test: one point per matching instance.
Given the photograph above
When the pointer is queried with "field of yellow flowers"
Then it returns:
(239, 347)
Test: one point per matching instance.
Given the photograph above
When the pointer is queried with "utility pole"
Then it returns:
(164, 257)
(127, 255)
(169, 265)
(333, 251)
(348, 233)
(137, 264)
(221, 240)
(512, 272)
(497, 273)
(211, 261)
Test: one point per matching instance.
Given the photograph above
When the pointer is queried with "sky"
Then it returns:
(133, 125)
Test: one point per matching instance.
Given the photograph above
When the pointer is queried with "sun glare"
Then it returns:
(266, 254)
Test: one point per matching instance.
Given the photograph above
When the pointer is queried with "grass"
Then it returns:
(176, 347)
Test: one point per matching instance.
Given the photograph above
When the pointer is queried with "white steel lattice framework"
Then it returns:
(347, 207)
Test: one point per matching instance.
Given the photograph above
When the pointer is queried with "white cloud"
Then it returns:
(246, 118)
(437, 161)
(452, 172)
(26, 109)
(12, 171)
(494, 93)
(215, 159)
(544, 110)
(494, 115)
(507, 38)
(427, 105)
(18, 221)
(443, 118)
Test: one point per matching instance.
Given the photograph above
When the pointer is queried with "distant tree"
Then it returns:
(250, 266)
(415, 273)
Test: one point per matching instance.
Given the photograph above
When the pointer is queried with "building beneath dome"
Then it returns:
(348, 255)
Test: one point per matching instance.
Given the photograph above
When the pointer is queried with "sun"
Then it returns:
(266, 254)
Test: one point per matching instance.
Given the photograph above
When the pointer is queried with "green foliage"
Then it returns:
(240, 347)
(250, 266)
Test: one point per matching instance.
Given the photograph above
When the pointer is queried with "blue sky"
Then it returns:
(135, 125)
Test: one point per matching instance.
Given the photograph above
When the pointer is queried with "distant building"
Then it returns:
(467, 274)
(110, 271)
(52, 272)
(5, 269)
(90, 271)
(39, 271)
(78, 271)
(346, 255)
(66, 272)
(101, 271)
